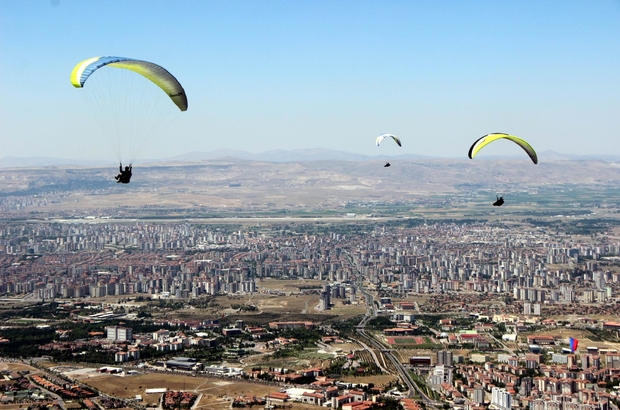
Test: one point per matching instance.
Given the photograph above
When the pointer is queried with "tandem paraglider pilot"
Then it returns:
(125, 175)
(499, 202)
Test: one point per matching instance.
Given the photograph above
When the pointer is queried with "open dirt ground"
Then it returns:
(346, 311)
(303, 360)
(11, 366)
(289, 285)
(216, 393)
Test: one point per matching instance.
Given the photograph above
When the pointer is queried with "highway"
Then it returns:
(387, 353)
(371, 313)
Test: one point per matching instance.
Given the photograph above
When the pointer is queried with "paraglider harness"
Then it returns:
(125, 175)
(499, 202)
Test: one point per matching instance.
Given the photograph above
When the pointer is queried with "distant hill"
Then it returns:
(321, 154)
(204, 156)
(298, 155)
(248, 185)
(550, 155)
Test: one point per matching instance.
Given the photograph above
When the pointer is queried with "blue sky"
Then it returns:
(264, 75)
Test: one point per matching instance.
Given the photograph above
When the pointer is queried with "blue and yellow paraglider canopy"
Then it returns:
(157, 74)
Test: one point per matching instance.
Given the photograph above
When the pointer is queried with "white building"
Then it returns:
(119, 334)
(501, 399)
(440, 375)
(161, 335)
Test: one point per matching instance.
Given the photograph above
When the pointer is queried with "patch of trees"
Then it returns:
(346, 327)
(289, 351)
(244, 308)
(335, 366)
(40, 310)
(386, 403)
(201, 353)
(603, 335)
(166, 304)
(431, 321)
(203, 303)
(380, 323)
(305, 337)
(24, 342)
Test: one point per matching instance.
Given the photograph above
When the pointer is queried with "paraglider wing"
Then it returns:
(157, 74)
(127, 102)
(489, 138)
(383, 136)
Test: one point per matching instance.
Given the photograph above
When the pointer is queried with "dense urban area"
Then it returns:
(411, 313)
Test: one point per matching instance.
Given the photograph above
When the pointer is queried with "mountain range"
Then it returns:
(298, 155)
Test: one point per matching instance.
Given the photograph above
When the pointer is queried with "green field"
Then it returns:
(412, 342)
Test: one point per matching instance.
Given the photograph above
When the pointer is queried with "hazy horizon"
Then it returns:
(298, 155)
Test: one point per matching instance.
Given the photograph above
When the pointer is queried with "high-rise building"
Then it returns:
(119, 334)
(501, 399)
(325, 300)
(437, 376)
(352, 295)
(444, 358)
(599, 279)
(478, 396)
(526, 386)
